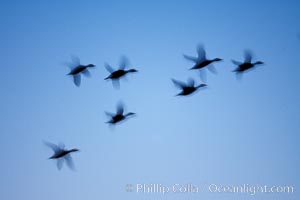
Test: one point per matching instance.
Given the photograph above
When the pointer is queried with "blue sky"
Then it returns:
(235, 132)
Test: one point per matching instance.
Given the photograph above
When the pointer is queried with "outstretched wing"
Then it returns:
(54, 147)
(248, 56)
(69, 161)
(124, 62)
(191, 82)
(212, 69)
(59, 163)
(236, 62)
(116, 83)
(75, 60)
(109, 114)
(239, 76)
(190, 58)
(201, 53)
(179, 84)
(120, 108)
(202, 74)
(61, 145)
(108, 68)
(77, 79)
(86, 72)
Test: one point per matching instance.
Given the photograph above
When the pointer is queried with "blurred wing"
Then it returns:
(236, 62)
(77, 79)
(120, 108)
(109, 114)
(75, 60)
(239, 76)
(212, 69)
(248, 56)
(69, 161)
(86, 72)
(123, 62)
(59, 163)
(179, 84)
(116, 83)
(61, 145)
(68, 64)
(108, 68)
(190, 58)
(54, 147)
(201, 53)
(203, 75)
(191, 82)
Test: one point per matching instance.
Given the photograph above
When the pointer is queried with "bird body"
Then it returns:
(80, 68)
(61, 155)
(115, 75)
(187, 88)
(119, 73)
(119, 116)
(204, 63)
(201, 61)
(247, 64)
(77, 69)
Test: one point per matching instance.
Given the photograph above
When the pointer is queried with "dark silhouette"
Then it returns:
(187, 88)
(77, 69)
(115, 75)
(201, 62)
(246, 65)
(61, 155)
(119, 116)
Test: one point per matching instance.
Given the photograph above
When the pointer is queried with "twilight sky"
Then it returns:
(232, 133)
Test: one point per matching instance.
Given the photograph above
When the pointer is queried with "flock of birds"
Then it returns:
(201, 63)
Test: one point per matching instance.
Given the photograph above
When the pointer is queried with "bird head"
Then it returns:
(132, 70)
(201, 85)
(259, 63)
(73, 150)
(129, 114)
(91, 65)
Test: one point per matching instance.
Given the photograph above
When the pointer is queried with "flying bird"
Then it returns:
(202, 62)
(77, 69)
(61, 155)
(187, 88)
(115, 75)
(119, 115)
(247, 64)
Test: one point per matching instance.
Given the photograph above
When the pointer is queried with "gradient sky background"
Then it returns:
(233, 133)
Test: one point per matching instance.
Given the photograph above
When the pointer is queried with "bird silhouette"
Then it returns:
(119, 116)
(115, 75)
(77, 69)
(246, 65)
(61, 155)
(187, 88)
(201, 62)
